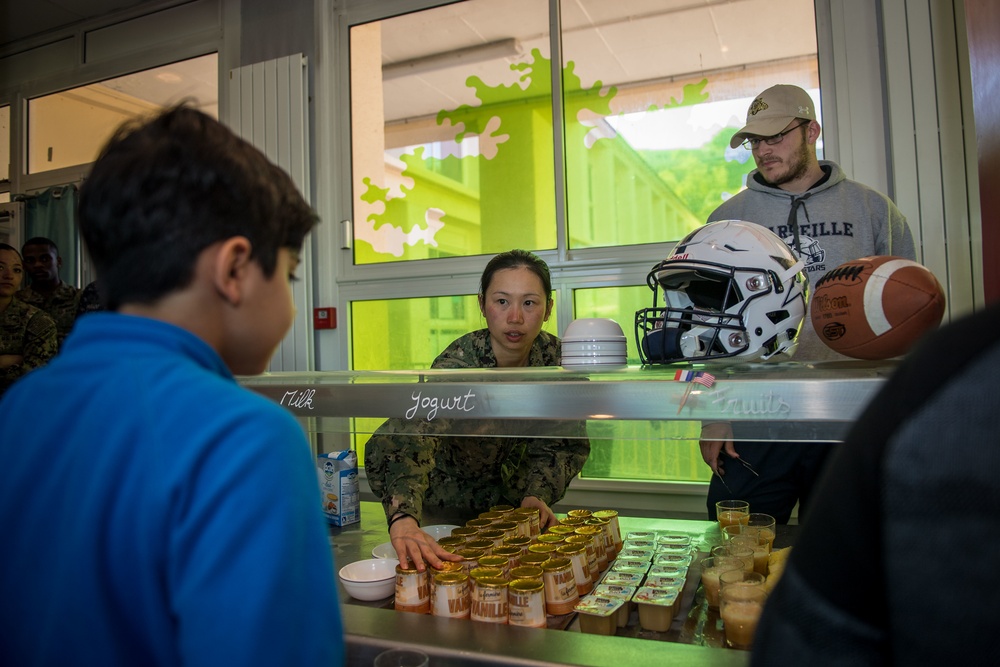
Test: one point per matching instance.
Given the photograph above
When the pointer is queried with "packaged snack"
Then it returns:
(657, 607)
(598, 615)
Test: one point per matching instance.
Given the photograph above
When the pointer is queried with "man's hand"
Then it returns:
(717, 437)
(414, 547)
(546, 517)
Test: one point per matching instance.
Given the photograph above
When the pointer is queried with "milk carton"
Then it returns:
(338, 486)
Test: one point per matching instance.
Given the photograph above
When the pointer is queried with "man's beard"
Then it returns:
(798, 165)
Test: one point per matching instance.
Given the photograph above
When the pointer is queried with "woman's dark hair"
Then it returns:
(513, 259)
(4, 246)
(165, 189)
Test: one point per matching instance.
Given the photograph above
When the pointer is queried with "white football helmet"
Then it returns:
(731, 289)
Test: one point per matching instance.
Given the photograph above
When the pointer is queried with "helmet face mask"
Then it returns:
(730, 289)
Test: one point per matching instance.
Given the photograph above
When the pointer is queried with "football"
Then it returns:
(876, 307)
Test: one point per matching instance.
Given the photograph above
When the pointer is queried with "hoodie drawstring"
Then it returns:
(793, 220)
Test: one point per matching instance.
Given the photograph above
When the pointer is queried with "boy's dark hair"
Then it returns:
(40, 240)
(513, 259)
(165, 189)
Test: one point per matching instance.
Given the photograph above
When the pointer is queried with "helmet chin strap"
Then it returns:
(791, 271)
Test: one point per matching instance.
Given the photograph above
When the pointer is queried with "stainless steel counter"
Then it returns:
(809, 402)
(374, 626)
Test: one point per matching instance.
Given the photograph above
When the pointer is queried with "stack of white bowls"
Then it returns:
(594, 343)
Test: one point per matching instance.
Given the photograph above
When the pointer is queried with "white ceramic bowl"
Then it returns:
(580, 347)
(370, 579)
(589, 362)
(384, 550)
(439, 531)
(583, 361)
(594, 355)
(593, 328)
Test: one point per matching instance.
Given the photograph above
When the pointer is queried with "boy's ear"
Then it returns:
(230, 268)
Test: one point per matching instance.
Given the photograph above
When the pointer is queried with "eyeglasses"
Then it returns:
(752, 143)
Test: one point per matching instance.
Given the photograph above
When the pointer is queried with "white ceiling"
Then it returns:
(618, 43)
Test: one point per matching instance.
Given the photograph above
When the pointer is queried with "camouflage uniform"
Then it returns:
(29, 332)
(413, 464)
(61, 306)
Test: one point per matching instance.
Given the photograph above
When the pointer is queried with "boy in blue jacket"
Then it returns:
(153, 511)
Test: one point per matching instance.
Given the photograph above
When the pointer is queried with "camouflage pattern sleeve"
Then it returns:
(41, 341)
(29, 333)
(473, 350)
(541, 467)
(61, 306)
(398, 459)
(546, 350)
(552, 464)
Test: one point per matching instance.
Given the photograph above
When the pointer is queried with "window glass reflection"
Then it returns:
(69, 128)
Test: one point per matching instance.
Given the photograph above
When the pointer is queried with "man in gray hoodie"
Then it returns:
(827, 220)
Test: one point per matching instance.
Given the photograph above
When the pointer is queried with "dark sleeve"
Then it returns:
(832, 595)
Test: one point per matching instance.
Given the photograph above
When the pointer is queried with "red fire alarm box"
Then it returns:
(324, 318)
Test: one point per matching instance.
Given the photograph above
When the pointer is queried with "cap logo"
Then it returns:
(803, 111)
(758, 105)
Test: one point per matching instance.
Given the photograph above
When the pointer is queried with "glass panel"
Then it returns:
(635, 450)
(69, 128)
(5, 145)
(452, 132)
(653, 92)
(452, 155)
(408, 334)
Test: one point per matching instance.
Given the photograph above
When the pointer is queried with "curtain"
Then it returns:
(52, 214)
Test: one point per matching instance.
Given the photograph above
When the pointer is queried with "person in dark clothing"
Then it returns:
(895, 563)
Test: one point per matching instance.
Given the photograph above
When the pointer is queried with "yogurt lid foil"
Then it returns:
(597, 605)
(623, 578)
(632, 543)
(615, 591)
(680, 549)
(677, 571)
(677, 539)
(659, 581)
(631, 565)
(678, 560)
(659, 596)
(641, 535)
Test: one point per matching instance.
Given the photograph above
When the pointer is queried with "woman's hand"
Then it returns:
(717, 437)
(546, 517)
(414, 547)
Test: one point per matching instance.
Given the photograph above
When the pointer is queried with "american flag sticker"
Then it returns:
(704, 379)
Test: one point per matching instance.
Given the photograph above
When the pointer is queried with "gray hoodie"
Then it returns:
(833, 222)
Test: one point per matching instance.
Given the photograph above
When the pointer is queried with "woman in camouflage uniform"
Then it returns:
(410, 464)
(27, 335)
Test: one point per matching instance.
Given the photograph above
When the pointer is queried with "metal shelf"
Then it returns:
(785, 401)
